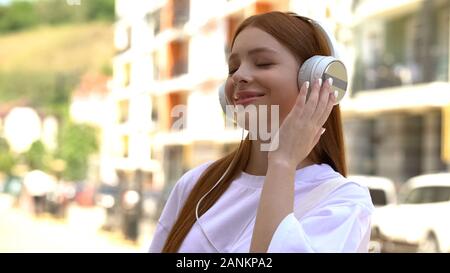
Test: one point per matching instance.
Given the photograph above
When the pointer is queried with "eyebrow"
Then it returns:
(254, 51)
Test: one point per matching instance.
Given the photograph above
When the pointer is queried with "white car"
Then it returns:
(383, 192)
(421, 220)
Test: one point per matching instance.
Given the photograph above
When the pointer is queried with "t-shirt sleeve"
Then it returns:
(173, 206)
(341, 223)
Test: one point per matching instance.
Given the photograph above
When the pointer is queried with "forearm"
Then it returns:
(277, 201)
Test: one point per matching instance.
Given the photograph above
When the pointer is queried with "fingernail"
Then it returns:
(336, 94)
(330, 81)
(320, 81)
(323, 131)
(307, 84)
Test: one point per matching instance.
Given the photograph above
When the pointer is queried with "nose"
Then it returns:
(241, 77)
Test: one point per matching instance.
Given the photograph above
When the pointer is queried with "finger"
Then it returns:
(301, 99)
(329, 107)
(323, 100)
(318, 135)
(311, 104)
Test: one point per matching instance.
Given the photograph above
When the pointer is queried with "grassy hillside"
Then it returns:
(42, 66)
(81, 47)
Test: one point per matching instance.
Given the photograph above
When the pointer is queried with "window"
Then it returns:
(425, 195)
(441, 194)
(378, 197)
(125, 145)
(177, 101)
(180, 12)
(123, 111)
(156, 66)
(415, 196)
(126, 74)
(154, 20)
(179, 51)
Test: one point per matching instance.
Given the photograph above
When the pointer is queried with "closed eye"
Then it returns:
(231, 72)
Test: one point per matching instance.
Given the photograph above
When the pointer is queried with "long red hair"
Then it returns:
(304, 41)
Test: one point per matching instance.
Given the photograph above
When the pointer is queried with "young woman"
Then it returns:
(275, 201)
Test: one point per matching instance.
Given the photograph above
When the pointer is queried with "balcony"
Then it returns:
(406, 50)
(180, 12)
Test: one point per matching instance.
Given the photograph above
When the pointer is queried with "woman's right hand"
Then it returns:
(303, 126)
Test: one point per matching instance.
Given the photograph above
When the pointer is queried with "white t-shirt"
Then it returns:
(338, 223)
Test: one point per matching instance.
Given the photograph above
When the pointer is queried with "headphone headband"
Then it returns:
(328, 36)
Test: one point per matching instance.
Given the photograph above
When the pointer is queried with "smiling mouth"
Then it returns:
(246, 99)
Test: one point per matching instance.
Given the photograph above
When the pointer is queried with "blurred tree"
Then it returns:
(44, 90)
(107, 69)
(56, 12)
(17, 16)
(7, 159)
(37, 157)
(100, 10)
(76, 143)
(21, 14)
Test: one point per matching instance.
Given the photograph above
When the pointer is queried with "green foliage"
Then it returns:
(99, 10)
(18, 15)
(25, 14)
(107, 69)
(37, 157)
(77, 142)
(47, 91)
(7, 159)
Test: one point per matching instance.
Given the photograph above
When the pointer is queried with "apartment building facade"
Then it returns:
(396, 118)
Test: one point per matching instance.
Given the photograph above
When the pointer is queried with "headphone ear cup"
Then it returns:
(324, 67)
(304, 74)
(223, 100)
(222, 97)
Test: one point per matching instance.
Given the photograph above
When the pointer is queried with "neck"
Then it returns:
(258, 162)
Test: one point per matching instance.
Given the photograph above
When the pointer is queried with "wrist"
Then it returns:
(281, 163)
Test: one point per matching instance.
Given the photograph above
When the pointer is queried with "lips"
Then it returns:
(245, 97)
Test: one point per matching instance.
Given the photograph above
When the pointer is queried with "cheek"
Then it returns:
(286, 107)
(286, 99)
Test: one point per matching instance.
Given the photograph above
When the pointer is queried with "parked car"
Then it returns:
(13, 186)
(58, 200)
(383, 193)
(150, 204)
(85, 194)
(420, 220)
(108, 198)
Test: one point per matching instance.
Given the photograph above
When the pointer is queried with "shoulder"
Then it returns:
(354, 192)
(179, 193)
(350, 194)
(338, 190)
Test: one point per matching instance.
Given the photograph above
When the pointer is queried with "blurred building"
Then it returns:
(91, 104)
(394, 120)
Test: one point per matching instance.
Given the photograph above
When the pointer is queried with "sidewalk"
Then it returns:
(80, 232)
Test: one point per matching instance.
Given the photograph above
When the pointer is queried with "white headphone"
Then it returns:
(316, 67)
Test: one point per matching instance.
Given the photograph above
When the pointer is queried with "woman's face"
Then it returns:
(262, 72)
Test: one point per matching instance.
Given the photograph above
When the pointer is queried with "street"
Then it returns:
(80, 232)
